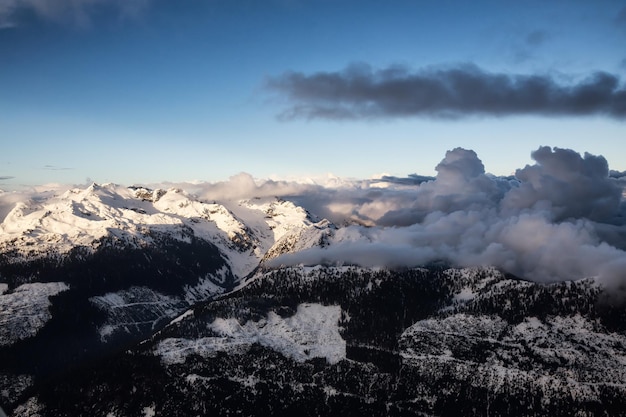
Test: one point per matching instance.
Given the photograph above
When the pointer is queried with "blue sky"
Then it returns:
(144, 91)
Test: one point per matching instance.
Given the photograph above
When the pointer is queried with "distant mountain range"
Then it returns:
(128, 301)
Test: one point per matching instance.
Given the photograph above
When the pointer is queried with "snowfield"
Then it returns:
(312, 332)
(24, 311)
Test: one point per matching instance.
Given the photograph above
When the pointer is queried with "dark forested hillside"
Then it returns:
(352, 341)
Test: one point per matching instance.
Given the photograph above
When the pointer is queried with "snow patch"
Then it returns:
(135, 309)
(529, 324)
(24, 311)
(312, 332)
(31, 408)
(466, 294)
(206, 287)
(12, 386)
(571, 353)
(149, 411)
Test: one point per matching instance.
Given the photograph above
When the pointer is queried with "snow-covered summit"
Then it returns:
(245, 231)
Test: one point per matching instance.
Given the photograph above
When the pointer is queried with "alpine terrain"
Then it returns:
(129, 301)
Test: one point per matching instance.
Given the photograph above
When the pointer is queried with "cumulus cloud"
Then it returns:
(559, 219)
(461, 184)
(567, 185)
(340, 201)
(360, 92)
(76, 12)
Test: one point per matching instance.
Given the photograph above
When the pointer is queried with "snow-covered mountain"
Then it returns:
(245, 231)
(87, 271)
(124, 301)
(78, 227)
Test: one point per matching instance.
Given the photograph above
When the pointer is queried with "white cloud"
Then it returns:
(559, 220)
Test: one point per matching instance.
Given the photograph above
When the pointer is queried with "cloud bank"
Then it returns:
(562, 218)
(359, 92)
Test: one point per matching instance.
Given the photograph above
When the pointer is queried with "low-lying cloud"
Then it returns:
(562, 218)
(359, 92)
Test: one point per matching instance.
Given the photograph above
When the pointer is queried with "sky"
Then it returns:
(144, 91)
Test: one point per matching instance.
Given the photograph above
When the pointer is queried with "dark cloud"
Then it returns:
(411, 179)
(567, 185)
(360, 92)
(6, 177)
(75, 12)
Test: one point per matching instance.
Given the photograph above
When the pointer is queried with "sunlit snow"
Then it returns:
(245, 231)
